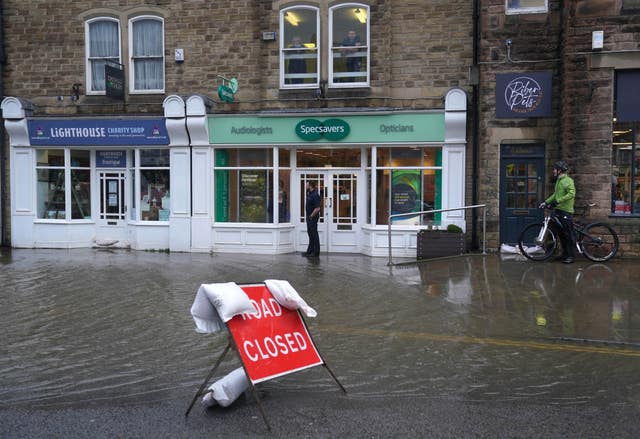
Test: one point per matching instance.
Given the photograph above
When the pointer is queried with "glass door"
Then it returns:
(112, 198)
(338, 227)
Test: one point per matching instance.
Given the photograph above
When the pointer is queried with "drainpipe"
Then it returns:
(475, 109)
(3, 167)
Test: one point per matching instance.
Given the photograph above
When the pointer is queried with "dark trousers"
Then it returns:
(313, 248)
(567, 237)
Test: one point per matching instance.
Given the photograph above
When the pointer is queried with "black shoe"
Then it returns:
(568, 260)
(305, 255)
(561, 258)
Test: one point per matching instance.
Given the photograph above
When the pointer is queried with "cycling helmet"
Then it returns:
(561, 165)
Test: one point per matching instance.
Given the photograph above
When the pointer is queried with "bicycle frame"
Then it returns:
(576, 229)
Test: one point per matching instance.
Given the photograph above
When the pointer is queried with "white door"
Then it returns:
(338, 226)
(113, 209)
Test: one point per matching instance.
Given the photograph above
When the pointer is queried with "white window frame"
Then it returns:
(365, 83)
(283, 48)
(132, 72)
(87, 44)
(525, 9)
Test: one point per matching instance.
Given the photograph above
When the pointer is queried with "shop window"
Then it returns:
(299, 47)
(349, 54)
(146, 46)
(53, 189)
(155, 194)
(102, 36)
(526, 6)
(625, 160)
(625, 173)
(244, 186)
(408, 180)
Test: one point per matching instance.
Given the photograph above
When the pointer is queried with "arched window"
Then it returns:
(146, 47)
(349, 39)
(299, 47)
(102, 40)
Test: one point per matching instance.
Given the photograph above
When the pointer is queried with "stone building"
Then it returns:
(393, 107)
(209, 112)
(584, 51)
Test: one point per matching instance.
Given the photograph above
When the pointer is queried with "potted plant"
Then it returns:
(434, 243)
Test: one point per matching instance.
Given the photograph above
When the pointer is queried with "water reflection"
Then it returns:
(95, 327)
(592, 301)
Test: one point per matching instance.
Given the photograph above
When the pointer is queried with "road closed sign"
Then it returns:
(273, 342)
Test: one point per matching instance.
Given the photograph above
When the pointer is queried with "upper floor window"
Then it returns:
(146, 44)
(349, 55)
(102, 46)
(299, 51)
(526, 6)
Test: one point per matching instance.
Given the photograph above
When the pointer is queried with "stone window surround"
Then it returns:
(124, 16)
(324, 30)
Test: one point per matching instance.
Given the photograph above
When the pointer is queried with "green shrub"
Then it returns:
(453, 228)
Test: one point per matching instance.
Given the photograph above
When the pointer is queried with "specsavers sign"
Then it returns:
(330, 129)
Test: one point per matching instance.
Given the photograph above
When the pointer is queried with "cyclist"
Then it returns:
(562, 199)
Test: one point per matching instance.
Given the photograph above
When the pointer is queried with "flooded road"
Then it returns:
(99, 327)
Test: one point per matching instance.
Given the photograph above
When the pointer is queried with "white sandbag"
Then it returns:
(218, 303)
(288, 297)
(227, 389)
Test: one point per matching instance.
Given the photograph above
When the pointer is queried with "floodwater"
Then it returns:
(93, 326)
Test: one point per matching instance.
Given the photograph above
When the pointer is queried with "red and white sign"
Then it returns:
(274, 342)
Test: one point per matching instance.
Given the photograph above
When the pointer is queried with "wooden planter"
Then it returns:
(440, 243)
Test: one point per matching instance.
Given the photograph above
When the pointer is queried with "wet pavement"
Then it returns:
(92, 338)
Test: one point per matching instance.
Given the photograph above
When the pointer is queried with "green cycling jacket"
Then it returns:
(564, 195)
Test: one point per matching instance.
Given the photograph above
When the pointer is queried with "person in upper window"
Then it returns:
(296, 65)
(349, 48)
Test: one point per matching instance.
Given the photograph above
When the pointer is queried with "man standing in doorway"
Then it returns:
(312, 210)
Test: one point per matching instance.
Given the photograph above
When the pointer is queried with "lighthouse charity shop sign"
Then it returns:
(274, 341)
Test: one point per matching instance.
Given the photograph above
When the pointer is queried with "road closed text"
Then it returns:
(272, 347)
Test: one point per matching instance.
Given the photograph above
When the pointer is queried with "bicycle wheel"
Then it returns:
(599, 242)
(537, 251)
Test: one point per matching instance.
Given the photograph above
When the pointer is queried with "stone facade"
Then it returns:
(580, 129)
(419, 50)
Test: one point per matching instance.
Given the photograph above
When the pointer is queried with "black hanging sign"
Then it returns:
(114, 82)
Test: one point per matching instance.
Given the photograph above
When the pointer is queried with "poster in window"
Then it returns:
(405, 195)
(252, 196)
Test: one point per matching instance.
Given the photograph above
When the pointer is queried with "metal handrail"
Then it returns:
(484, 223)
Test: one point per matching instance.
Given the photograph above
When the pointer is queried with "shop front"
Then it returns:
(193, 181)
(367, 166)
(82, 182)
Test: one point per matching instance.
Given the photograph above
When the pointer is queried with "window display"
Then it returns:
(155, 195)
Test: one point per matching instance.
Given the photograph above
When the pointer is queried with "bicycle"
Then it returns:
(597, 241)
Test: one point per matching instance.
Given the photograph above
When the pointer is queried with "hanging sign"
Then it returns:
(274, 342)
(228, 89)
(114, 82)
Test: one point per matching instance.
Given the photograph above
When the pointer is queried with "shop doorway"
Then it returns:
(113, 209)
(521, 188)
(338, 226)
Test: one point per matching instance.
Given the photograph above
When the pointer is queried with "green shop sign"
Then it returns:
(399, 127)
(330, 129)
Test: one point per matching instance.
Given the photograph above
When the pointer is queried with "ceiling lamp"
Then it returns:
(293, 20)
(361, 15)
